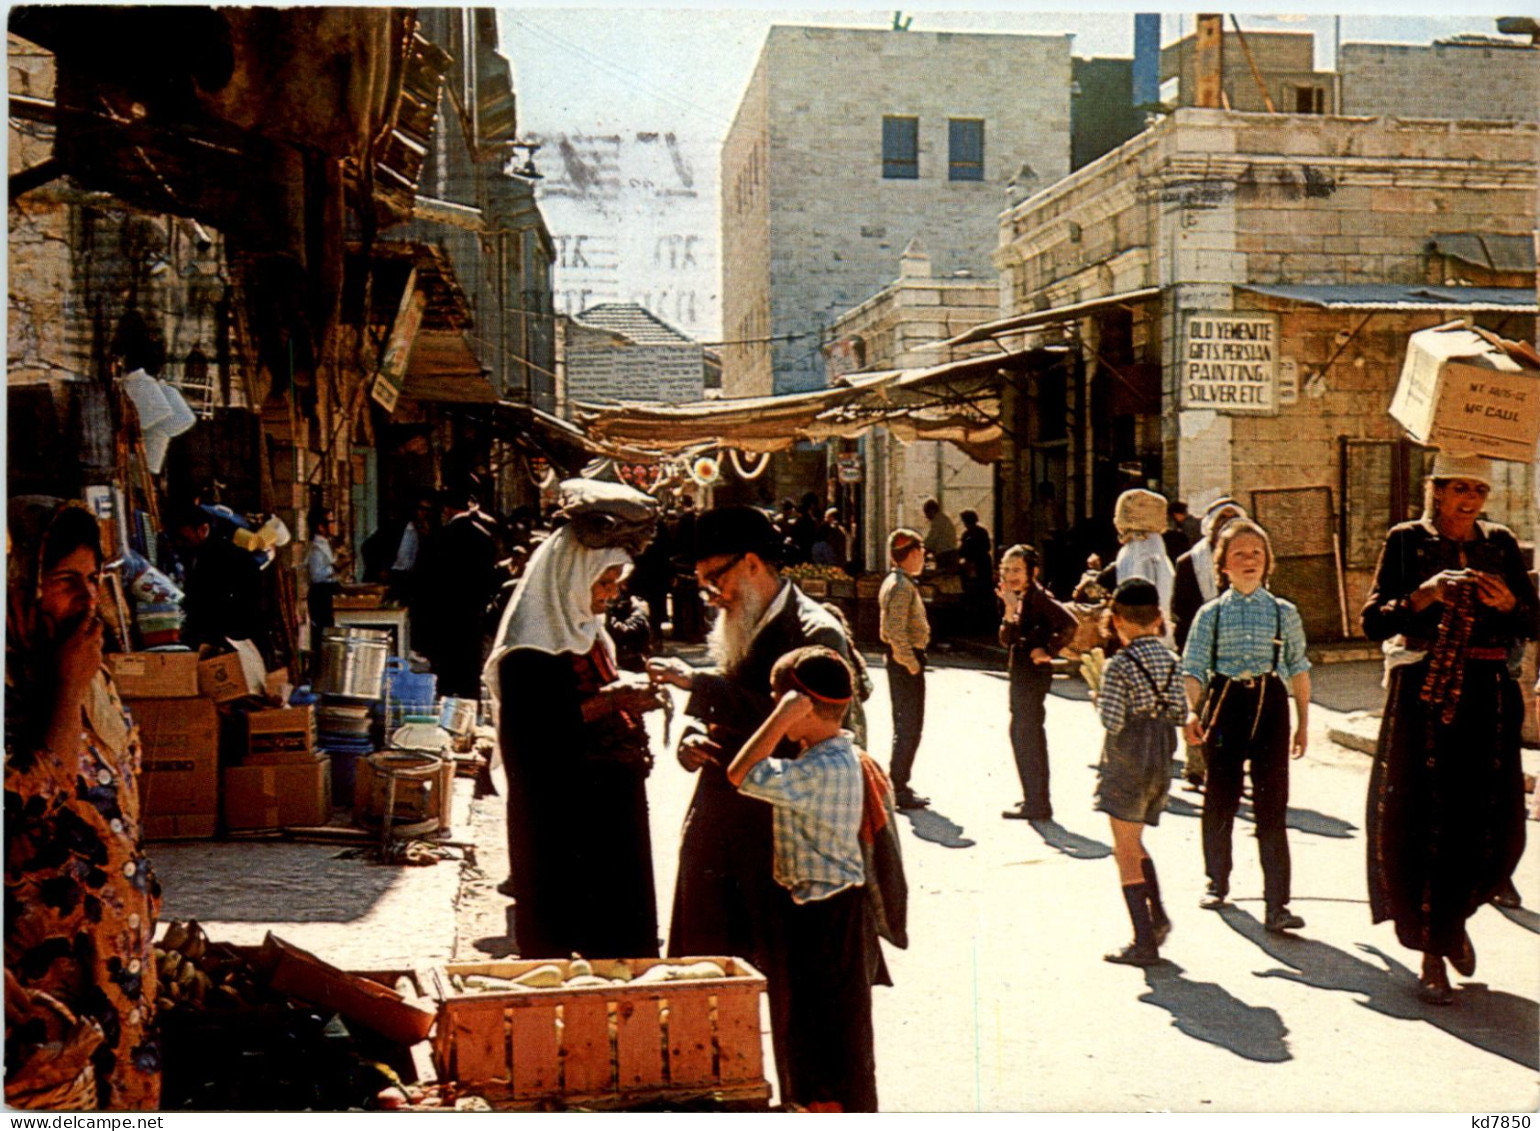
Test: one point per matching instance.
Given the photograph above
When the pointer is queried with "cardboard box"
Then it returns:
(181, 766)
(234, 675)
(155, 675)
(1470, 392)
(302, 975)
(295, 795)
(280, 736)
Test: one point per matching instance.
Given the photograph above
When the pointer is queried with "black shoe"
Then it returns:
(1506, 896)
(1162, 929)
(506, 888)
(1213, 899)
(908, 799)
(1435, 991)
(1194, 780)
(1464, 962)
(1134, 955)
(1281, 919)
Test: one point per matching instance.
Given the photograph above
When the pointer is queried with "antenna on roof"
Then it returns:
(901, 22)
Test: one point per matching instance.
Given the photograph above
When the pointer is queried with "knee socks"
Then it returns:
(1137, 897)
(1152, 891)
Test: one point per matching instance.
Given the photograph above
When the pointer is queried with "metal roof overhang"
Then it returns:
(1391, 297)
(1018, 322)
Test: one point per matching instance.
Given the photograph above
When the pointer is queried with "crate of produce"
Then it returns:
(607, 1033)
(842, 589)
(869, 585)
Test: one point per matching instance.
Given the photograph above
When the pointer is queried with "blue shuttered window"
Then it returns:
(965, 157)
(900, 148)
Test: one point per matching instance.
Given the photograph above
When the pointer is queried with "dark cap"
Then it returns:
(818, 672)
(735, 530)
(1136, 592)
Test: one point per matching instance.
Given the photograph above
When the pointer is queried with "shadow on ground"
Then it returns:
(1186, 804)
(295, 883)
(1491, 1020)
(1521, 917)
(1206, 1011)
(1080, 847)
(932, 826)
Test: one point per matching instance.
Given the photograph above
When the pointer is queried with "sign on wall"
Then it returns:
(1230, 362)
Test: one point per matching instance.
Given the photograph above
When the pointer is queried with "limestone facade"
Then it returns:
(810, 225)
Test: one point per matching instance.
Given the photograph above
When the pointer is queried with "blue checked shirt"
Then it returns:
(1125, 693)
(817, 821)
(1247, 627)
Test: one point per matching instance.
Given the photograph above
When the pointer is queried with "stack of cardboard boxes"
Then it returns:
(208, 721)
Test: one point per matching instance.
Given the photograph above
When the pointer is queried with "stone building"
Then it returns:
(620, 351)
(1285, 60)
(849, 143)
(890, 330)
(1476, 77)
(1310, 246)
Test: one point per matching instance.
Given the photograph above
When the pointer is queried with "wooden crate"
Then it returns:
(606, 1046)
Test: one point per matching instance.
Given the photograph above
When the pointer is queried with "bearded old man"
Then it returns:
(725, 896)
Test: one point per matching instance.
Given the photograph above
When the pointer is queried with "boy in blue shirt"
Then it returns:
(1140, 703)
(1243, 646)
(818, 798)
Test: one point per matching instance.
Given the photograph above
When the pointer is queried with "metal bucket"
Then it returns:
(353, 662)
(458, 716)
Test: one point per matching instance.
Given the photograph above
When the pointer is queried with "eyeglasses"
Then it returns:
(709, 581)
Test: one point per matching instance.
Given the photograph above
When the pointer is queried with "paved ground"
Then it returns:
(1002, 1002)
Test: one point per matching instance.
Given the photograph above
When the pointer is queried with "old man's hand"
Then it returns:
(695, 750)
(667, 669)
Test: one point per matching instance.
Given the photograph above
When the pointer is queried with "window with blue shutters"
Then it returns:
(965, 157)
(900, 148)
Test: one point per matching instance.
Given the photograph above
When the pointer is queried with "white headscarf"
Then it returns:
(1146, 557)
(551, 610)
(1203, 552)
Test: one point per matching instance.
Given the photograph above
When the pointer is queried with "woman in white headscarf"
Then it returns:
(1140, 519)
(576, 754)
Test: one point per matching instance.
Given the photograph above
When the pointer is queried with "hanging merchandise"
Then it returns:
(705, 470)
(149, 399)
(759, 469)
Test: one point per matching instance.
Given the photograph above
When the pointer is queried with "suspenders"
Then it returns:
(1213, 660)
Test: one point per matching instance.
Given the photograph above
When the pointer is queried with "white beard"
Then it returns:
(733, 633)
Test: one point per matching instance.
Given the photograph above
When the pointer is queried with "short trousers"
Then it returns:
(1134, 775)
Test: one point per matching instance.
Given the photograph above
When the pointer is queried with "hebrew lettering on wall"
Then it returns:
(634, 219)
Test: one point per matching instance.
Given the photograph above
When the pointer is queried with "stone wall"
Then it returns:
(746, 369)
(835, 223)
(603, 370)
(1441, 80)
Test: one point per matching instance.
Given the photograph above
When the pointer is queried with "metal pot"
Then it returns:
(458, 716)
(353, 662)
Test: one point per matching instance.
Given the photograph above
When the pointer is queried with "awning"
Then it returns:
(1027, 321)
(444, 369)
(957, 402)
(1388, 296)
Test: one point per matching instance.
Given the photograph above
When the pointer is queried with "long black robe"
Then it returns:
(579, 847)
(1446, 802)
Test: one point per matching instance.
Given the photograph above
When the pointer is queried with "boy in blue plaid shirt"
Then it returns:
(1140, 703)
(818, 798)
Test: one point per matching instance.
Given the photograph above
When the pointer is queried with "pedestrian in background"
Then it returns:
(1140, 704)
(1034, 627)
(1243, 646)
(940, 535)
(978, 571)
(323, 567)
(1140, 517)
(1446, 796)
(1196, 583)
(905, 628)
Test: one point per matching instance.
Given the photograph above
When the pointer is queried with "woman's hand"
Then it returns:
(79, 658)
(1493, 591)
(633, 691)
(1435, 590)
(667, 669)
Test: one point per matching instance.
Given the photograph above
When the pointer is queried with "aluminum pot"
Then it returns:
(353, 662)
(458, 716)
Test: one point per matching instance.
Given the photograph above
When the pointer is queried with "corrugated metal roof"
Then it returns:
(633, 321)
(1031, 318)
(1390, 296)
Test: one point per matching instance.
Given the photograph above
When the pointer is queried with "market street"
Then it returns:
(1002, 1001)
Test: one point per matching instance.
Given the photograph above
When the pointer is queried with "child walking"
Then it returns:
(1140, 704)
(1243, 646)
(818, 799)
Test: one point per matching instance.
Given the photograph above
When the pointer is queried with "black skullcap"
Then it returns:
(1136, 591)
(735, 530)
(821, 673)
